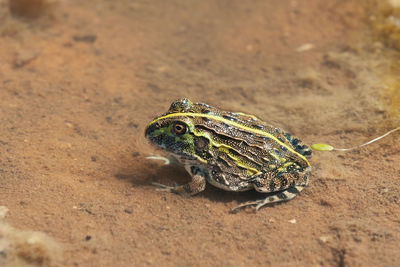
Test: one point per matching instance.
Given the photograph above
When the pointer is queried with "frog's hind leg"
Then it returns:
(284, 194)
(280, 196)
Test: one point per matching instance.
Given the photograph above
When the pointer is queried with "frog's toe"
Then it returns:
(167, 161)
(170, 160)
(260, 204)
(244, 205)
(163, 187)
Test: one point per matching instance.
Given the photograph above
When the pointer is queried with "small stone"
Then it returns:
(117, 100)
(87, 38)
(3, 211)
(69, 124)
(292, 221)
(128, 210)
(25, 201)
(65, 145)
(304, 47)
(154, 87)
(89, 211)
(24, 57)
(133, 125)
(324, 239)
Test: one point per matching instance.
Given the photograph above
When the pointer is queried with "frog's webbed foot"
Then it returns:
(280, 196)
(257, 204)
(164, 188)
(195, 186)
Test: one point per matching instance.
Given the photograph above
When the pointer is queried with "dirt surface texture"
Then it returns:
(79, 81)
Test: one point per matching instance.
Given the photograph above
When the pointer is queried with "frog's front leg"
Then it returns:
(196, 185)
(170, 160)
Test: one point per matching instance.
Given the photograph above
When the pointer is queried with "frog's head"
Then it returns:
(172, 131)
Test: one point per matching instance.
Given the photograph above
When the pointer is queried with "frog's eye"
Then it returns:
(179, 128)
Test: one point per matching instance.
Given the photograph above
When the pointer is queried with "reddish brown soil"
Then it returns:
(79, 84)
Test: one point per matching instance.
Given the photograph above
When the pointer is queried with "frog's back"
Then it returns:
(242, 143)
(281, 135)
(250, 129)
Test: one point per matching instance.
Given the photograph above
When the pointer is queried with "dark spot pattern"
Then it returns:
(281, 195)
(201, 142)
(293, 190)
(229, 118)
(272, 185)
(297, 145)
(194, 170)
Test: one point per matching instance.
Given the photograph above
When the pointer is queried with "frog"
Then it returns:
(233, 151)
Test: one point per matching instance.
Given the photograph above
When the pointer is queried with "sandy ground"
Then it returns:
(79, 84)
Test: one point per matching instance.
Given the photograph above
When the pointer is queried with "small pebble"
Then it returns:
(88, 38)
(128, 210)
(304, 47)
(132, 124)
(69, 124)
(3, 211)
(24, 57)
(324, 239)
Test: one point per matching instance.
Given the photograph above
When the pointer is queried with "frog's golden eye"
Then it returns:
(179, 128)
